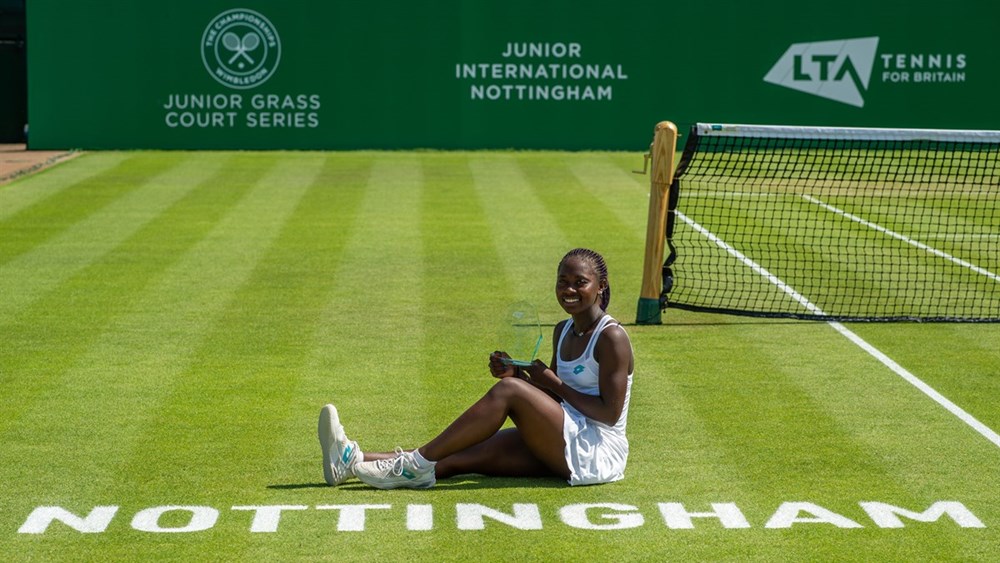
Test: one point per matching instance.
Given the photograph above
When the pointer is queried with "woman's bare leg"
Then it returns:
(502, 455)
(539, 420)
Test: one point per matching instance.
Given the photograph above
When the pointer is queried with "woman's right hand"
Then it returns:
(500, 368)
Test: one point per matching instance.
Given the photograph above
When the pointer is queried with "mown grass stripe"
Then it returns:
(133, 366)
(33, 189)
(373, 310)
(581, 217)
(81, 243)
(624, 194)
(243, 370)
(54, 217)
(47, 338)
(918, 383)
(327, 219)
(683, 449)
(919, 444)
(958, 359)
(523, 232)
(768, 413)
(458, 248)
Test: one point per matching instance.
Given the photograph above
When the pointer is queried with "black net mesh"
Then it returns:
(838, 225)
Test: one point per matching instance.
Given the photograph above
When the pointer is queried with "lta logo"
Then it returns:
(240, 48)
(836, 70)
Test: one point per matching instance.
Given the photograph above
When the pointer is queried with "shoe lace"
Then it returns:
(395, 465)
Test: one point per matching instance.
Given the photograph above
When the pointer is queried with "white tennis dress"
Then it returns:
(595, 452)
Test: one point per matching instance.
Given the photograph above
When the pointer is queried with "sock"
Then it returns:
(422, 462)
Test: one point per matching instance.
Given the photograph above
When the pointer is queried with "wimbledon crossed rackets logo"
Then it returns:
(240, 48)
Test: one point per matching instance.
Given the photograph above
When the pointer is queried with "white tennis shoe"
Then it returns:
(340, 455)
(401, 471)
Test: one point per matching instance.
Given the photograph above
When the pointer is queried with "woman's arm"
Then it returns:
(614, 355)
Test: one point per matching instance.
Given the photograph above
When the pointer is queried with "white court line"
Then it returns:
(899, 370)
(904, 238)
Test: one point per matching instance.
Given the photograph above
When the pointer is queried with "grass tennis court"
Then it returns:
(172, 322)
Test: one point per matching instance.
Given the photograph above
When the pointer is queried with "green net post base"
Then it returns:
(648, 312)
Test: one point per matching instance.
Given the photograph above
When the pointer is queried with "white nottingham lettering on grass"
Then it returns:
(790, 513)
(202, 518)
(624, 516)
(677, 517)
(352, 516)
(888, 516)
(525, 516)
(265, 518)
(93, 523)
(522, 516)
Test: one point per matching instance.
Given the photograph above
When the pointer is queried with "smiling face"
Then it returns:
(578, 285)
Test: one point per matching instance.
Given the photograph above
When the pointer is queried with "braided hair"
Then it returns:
(597, 261)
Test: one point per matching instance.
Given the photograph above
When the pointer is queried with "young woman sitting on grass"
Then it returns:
(569, 418)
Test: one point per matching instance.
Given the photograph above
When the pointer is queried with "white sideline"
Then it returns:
(899, 370)
(903, 238)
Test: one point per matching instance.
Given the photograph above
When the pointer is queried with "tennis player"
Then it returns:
(569, 418)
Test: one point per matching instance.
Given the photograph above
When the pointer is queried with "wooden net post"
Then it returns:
(661, 176)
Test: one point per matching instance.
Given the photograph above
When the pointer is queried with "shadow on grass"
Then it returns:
(296, 486)
(459, 483)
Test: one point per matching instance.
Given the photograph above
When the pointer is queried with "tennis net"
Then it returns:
(836, 223)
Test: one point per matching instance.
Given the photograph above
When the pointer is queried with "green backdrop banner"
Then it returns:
(563, 74)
